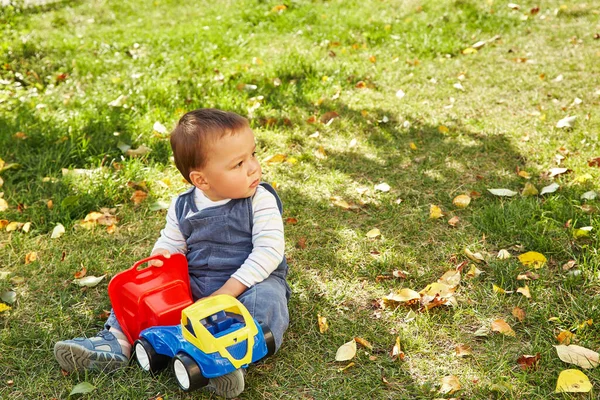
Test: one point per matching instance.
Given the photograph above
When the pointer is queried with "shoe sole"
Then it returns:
(72, 357)
(229, 386)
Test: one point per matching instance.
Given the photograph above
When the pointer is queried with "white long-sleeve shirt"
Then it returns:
(267, 235)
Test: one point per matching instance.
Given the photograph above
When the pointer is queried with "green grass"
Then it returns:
(61, 64)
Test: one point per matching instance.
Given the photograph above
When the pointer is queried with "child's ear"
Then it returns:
(199, 180)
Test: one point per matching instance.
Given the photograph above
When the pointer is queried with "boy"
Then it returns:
(228, 225)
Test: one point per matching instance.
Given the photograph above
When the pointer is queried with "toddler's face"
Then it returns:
(232, 170)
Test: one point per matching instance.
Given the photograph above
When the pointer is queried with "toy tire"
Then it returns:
(147, 358)
(187, 373)
(269, 340)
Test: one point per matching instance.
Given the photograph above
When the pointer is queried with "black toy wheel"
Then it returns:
(187, 373)
(269, 340)
(147, 358)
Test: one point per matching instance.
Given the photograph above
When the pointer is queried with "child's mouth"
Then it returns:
(255, 183)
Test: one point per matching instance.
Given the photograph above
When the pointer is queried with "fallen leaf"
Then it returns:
(569, 264)
(529, 190)
(463, 350)
(566, 122)
(461, 201)
(82, 388)
(301, 243)
(346, 352)
(364, 343)
(501, 326)
(572, 381)
(291, 221)
(4, 307)
(503, 254)
(9, 297)
(89, 281)
(443, 129)
(329, 117)
(140, 151)
(275, 158)
(453, 221)
(535, 259)
(594, 162)
(399, 274)
(400, 93)
(450, 384)
(111, 229)
(502, 192)
(346, 367)
(30, 257)
(518, 313)
(553, 187)
(81, 273)
(14, 226)
(58, 231)
(528, 276)
(524, 174)
(513, 6)
(138, 197)
(403, 296)
(528, 362)
(473, 272)
(339, 202)
(477, 257)
(3, 223)
(498, 289)
(469, 50)
(279, 8)
(565, 337)
(160, 128)
(524, 291)
(323, 324)
(557, 171)
(435, 212)
(591, 195)
(26, 227)
(382, 187)
(573, 354)
(373, 233)
(3, 205)
(397, 352)
(450, 278)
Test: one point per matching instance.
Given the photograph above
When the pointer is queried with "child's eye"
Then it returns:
(238, 164)
(253, 154)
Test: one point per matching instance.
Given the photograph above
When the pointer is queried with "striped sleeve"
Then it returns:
(171, 238)
(267, 240)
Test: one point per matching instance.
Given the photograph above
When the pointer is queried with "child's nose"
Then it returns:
(253, 166)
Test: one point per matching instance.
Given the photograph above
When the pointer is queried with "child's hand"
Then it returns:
(159, 263)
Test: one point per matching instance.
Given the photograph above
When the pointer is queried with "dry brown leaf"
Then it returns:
(30, 257)
(453, 221)
(81, 273)
(473, 272)
(364, 343)
(138, 197)
(463, 350)
(502, 327)
(450, 384)
(573, 354)
(291, 221)
(528, 362)
(524, 291)
(450, 278)
(528, 276)
(111, 229)
(397, 352)
(518, 313)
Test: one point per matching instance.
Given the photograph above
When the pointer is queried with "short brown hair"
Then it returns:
(195, 131)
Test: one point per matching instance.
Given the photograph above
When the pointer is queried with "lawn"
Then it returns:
(434, 99)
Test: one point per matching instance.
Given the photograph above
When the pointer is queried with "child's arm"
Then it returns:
(267, 240)
(171, 239)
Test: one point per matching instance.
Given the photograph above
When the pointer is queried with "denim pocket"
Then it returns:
(210, 229)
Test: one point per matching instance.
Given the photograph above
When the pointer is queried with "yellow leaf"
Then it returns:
(524, 291)
(573, 354)
(58, 231)
(537, 260)
(565, 337)
(1, 181)
(323, 325)
(26, 227)
(461, 201)
(524, 174)
(477, 257)
(111, 229)
(412, 146)
(435, 212)
(3, 205)
(14, 226)
(4, 307)
(275, 158)
(529, 190)
(346, 352)
(469, 50)
(473, 272)
(402, 296)
(346, 367)
(373, 233)
(503, 254)
(30, 257)
(450, 278)
(498, 289)
(443, 129)
(501, 326)
(278, 8)
(93, 216)
(397, 350)
(572, 380)
(364, 343)
(450, 384)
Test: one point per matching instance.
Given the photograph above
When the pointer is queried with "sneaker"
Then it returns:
(101, 352)
(229, 385)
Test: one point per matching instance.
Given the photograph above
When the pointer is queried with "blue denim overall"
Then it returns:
(219, 240)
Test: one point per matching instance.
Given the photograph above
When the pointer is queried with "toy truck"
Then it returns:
(216, 336)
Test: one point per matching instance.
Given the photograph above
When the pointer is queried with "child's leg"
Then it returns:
(108, 350)
(267, 303)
